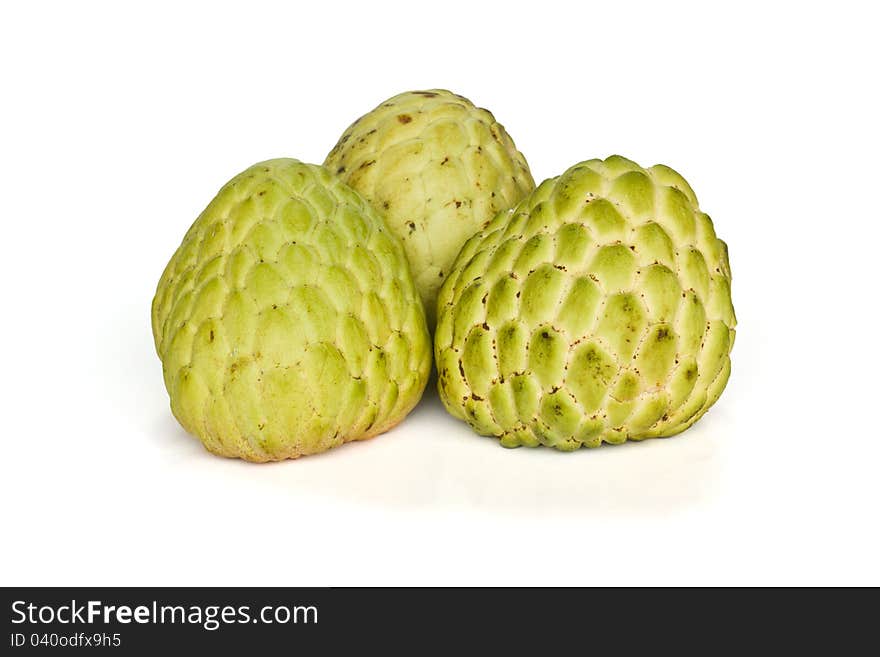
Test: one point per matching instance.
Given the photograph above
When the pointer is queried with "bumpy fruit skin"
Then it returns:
(598, 309)
(438, 169)
(287, 321)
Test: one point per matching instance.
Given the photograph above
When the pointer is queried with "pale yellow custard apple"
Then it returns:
(597, 309)
(287, 321)
(438, 169)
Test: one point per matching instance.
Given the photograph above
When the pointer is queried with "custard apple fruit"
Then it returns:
(438, 169)
(287, 321)
(598, 309)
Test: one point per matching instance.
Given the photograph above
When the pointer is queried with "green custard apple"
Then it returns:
(287, 321)
(597, 309)
(438, 169)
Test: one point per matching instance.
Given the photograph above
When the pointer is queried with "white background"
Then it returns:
(118, 126)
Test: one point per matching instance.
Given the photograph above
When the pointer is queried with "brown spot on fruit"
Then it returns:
(404, 118)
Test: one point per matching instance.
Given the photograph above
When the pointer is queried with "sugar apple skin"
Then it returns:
(287, 321)
(598, 309)
(438, 169)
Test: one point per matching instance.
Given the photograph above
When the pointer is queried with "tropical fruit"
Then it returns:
(438, 169)
(287, 321)
(597, 309)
